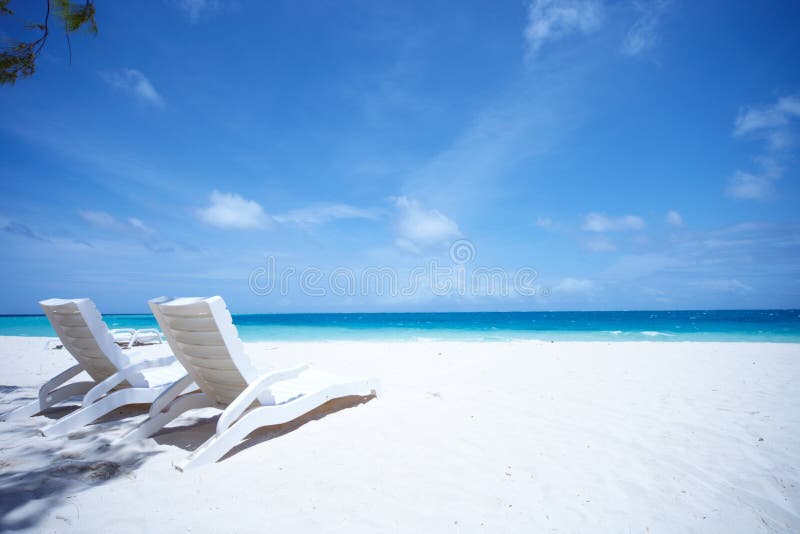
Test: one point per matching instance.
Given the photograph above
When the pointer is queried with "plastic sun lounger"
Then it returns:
(129, 337)
(202, 336)
(124, 337)
(117, 378)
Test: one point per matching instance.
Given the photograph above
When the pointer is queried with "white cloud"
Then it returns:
(632, 267)
(758, 185)
(600, 222)
(130, 227)
(322, 213)
(674, 218)
(730, 285)
(135, 83)
(768, 119)
(99, 219)
(21, 230)
(419, 228)
(773, 124)
(643, 35)
(229, 210)
(574, 285)
(525, 119)
(104, 220)
(140, 226)
(600, 244)
(750, 186)
(551, 20)
(195, 7)
(544, 222)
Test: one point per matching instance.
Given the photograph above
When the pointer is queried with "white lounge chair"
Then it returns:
(129, 337)
(124, 337)
(117, 378)
(202, 336)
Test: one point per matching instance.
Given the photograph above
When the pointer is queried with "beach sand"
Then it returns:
(467, 437)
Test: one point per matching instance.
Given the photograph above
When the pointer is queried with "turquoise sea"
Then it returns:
(727, 325)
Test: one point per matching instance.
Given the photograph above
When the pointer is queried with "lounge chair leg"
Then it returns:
(47, 389)
(87, 414)
(70, 390)
(51, 399)
(158, 421)
(219, 444)
(180, 386)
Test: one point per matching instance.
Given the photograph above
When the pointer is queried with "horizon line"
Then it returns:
(462, 312)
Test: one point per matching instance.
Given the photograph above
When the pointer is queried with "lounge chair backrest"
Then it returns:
(84, 334)
(202, 336)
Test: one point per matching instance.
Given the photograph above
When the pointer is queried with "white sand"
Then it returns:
(468, 437)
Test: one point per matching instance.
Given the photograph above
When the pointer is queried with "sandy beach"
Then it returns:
(467, 437)
(528, 266)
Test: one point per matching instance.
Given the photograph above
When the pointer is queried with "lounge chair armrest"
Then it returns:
(57, 380)
(246, 397)
(120, 376)
(170, 394)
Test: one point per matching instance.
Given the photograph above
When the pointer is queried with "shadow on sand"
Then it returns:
(39, 473)
(198, 430)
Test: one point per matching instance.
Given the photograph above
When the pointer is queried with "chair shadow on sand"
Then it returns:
(45, 473)
(50, 473)
(198, 430)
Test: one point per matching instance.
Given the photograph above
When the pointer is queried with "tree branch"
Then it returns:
(18, 59)
(69, 44)
(41, 40)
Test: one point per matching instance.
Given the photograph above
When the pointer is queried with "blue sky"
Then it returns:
(636, 155)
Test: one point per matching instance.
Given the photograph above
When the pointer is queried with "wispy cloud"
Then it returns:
(140, 226)
(750, 234)
(135, 83)
(574, 285)
(723, 265)
(102, 219)
(773, 124)
(523, 122)
(600, 244)
(600, 222)
(194, 8)
(322, 213)
(99, 219)
(21, 230)
(725, 285)
(631, 267)
(552, 20)
(131, 227)
(231, 211)
(546, 223)
(644, 33)
(674, 218)
(419, 228)
(120, 170)
(757, 185)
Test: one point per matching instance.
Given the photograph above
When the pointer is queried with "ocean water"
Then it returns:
(728, 325)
